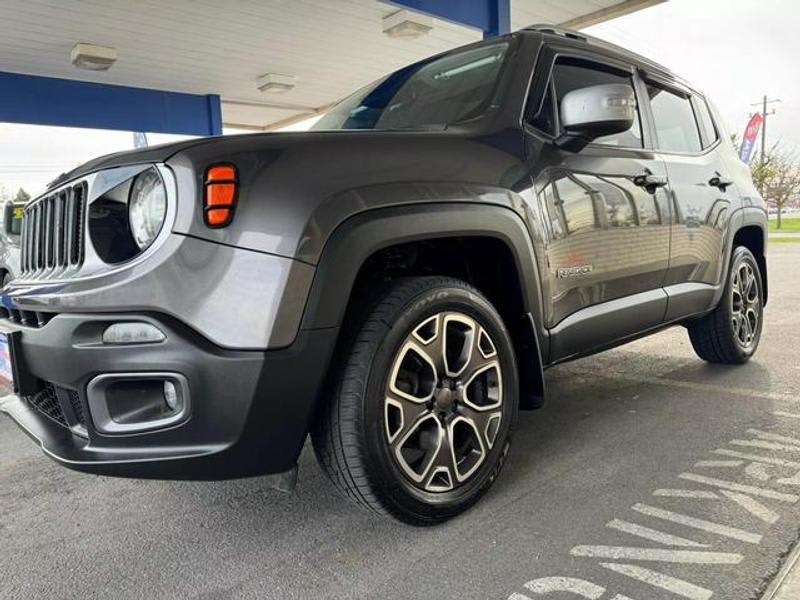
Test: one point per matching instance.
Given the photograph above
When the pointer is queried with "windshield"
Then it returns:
(429, 94)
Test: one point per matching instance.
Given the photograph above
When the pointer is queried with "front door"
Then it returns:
(605, 231)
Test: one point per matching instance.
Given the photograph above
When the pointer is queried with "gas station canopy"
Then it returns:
(192, 66)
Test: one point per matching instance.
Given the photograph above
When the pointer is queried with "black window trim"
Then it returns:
(549, 55)
(679, 90)
(698, 99)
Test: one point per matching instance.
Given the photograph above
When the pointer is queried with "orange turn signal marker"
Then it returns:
(219, 194)
(218, 216)
(221, 173)
(221, 188)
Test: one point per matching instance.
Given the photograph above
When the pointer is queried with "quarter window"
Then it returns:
(571, 74)
(676, 127)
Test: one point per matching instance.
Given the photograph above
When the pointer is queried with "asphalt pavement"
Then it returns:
(648, 475)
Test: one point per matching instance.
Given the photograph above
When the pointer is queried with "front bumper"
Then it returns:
(249, 414)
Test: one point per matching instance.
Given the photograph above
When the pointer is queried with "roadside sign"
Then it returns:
(750, 135)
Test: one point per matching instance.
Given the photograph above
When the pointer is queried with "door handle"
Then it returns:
(718, 181)
(649, 181)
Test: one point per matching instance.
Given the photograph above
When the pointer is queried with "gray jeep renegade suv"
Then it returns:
(394, 283)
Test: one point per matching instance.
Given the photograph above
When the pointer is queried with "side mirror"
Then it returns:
(592, 112)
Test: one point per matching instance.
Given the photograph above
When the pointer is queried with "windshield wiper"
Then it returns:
(420, 127)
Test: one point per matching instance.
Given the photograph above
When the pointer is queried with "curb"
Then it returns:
(792, 562)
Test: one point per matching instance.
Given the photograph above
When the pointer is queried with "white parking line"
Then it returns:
(794, 480)
(697, 557)
(682, 550)
(753, 506)
(781, 413)
(774, 437)
(701, 524)
(674, 493)
(719, 463)
(765, 445)
(677, 586)
(758, 470)
(549, 585)
(769, 460)
(652, 534)
(739, 487)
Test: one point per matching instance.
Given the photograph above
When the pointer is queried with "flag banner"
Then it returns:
(750, 135)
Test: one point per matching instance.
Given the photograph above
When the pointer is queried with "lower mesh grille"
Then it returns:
(77, 407)
(46, 402)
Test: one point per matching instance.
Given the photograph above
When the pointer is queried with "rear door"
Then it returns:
(605, 239)
(702, 191)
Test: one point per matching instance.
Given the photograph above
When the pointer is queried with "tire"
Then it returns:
(382, 436)
(731, 333)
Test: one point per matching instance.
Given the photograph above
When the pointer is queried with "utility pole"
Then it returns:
(764, 102)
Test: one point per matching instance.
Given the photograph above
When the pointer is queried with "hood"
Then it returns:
(152, 154)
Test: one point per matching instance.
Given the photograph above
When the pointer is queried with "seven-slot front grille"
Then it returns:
(53, 233)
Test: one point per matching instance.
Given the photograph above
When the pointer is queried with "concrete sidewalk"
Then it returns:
(786, 585)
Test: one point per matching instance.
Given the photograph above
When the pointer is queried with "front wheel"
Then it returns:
(730, 334)
(419, 422)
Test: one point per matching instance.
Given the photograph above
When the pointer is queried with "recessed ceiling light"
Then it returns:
(406, 24)
(275, 83)
(93, 58)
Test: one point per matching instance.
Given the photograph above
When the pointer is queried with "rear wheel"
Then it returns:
(418, 424)
(731, 333)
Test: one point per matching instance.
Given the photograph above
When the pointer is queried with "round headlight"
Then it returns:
(147, 207)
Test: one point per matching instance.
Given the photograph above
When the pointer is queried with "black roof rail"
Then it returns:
(596, 41)
(556, 30)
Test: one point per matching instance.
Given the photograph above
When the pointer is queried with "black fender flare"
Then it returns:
(360, 236)
(745, 216)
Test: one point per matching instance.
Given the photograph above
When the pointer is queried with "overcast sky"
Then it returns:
(734, 50)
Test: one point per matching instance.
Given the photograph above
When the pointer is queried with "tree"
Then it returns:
(777, 178)
(22, 196)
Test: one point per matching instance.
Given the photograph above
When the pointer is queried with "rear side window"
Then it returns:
(571, 74)
(708, 131)
(676, 127)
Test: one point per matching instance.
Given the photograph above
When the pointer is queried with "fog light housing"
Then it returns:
(124, 403)
(171, 397)
(133, 332)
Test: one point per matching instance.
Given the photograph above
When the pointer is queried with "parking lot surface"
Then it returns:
(649, 474)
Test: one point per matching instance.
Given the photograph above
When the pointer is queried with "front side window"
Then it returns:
(676, 127)
(433, 93)
(571, 74)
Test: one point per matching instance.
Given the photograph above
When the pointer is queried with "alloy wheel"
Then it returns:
(745, 305)
(443, 401)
